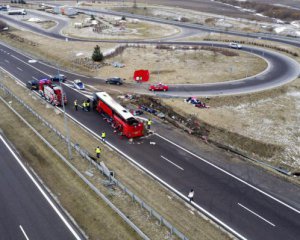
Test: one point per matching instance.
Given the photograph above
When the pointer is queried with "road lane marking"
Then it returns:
(19, 69)
(24, 233)
(254, 213)
(34, 78)
(230, 174)
(172, 163)
(6, 61)
(44, 194)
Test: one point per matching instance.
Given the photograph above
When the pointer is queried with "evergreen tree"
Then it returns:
(97, 54)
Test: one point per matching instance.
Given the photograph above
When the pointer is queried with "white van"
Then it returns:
(17, 12)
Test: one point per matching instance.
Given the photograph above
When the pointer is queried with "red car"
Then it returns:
(159, 87)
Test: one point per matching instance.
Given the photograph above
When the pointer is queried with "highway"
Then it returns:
(238, 205)
(234, 202)
(27, 211)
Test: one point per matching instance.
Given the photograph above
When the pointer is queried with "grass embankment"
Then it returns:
(165, 202)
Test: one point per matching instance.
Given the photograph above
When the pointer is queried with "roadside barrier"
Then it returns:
(111, 178)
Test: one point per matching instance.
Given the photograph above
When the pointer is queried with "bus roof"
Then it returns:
(114, 105)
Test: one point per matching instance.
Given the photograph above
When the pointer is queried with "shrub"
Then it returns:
(97, 54)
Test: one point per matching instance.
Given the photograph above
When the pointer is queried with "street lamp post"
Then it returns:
(65, 117)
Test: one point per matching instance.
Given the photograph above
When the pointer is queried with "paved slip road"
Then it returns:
(25, 212)
(251, 213)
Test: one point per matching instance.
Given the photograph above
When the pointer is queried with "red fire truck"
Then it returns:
(51, 92)
(121, 118)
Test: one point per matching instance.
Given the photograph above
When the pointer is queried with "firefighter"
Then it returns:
(75, 105)
(149, 123)
(103, 136)
(98, 151)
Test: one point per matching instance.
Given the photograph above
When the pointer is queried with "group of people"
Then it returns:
(86, 105)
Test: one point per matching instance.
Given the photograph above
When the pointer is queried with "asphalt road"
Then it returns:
(25, 211)
(242, 208)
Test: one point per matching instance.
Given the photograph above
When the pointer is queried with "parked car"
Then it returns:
(159, 87)
(3, 8)
(33, 84)
(78, 84)
(114, 80)
(148, 109)
(59, 78)
(235, 45)
(136, 112)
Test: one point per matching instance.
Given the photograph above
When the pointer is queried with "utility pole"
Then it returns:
(67, 131)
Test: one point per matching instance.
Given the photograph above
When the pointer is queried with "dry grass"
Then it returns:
(47, 24)
(173, 66)
(265, 125)
(194, 226)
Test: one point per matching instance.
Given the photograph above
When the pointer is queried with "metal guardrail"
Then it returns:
(112, 179)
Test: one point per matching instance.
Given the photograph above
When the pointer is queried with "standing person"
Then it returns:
(88, 105)
(98, 151)
(191, 195)
(75, 105)
(149, 123)
(83, 105)
(103, 136)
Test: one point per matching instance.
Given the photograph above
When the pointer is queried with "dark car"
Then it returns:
(3, 8)
(115, 80)
(59, 78)
(33, 85)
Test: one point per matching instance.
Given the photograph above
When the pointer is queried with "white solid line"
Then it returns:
(41, 190)
(24, 233)
(34, 78)
(19, 69)
(230, 174)
(256, 215)
(6, 61)
(172, 163)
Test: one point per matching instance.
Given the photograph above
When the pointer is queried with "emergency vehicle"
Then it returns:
(51, 92)
(121, 118)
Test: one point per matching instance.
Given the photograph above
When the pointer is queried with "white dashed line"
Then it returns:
(6, 61)
(19, 69)
(272, 224)
(24, 233)
(172, 163)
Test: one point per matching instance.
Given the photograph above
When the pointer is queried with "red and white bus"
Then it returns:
(122, 119)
